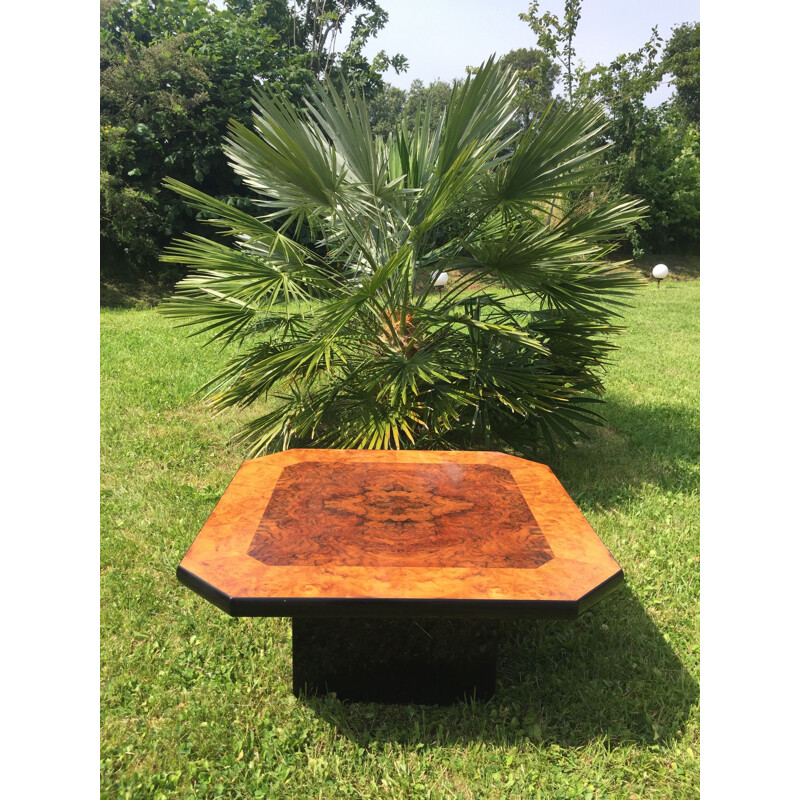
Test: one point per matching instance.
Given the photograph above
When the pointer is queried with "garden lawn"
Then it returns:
(199, 704)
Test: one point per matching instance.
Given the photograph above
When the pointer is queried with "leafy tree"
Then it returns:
(668, 174)
(347, 341)
(386, 110)
(675, 182)
(152, 101)
(173, 72)
(654, 152)
(316, 25)
(621, 87)
(682, 61)
(537, 75)
(556, 36)
(433, 99)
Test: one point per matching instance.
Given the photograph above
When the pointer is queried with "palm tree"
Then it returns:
(345, 339)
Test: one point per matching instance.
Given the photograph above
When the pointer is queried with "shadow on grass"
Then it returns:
(656, 445)
(139, 295)
(610, 675)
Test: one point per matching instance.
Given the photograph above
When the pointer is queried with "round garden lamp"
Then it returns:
(660, 272)
(441, 280)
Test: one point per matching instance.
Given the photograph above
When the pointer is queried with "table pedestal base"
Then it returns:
(395, 660)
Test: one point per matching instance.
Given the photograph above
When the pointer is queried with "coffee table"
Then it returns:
(395, 566)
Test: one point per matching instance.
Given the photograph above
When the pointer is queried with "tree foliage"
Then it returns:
(393, 107)
(433, 99)
(556, 36)
(537, 75)
(346, 343)
(682, 61)
(386, 110)
(653, 153)
(173, 72)
(316, 25)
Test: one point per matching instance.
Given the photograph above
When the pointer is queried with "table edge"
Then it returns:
(396, 607)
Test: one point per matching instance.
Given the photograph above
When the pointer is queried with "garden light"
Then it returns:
(441, 280)
(660, 272)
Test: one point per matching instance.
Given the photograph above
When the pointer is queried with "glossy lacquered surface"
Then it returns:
(325, 532)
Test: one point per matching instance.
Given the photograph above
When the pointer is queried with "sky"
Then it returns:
(440, 38)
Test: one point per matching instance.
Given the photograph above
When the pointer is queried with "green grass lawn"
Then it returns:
(198, 704)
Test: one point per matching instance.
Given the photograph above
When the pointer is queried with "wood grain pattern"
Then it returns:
(253, 549)
(404, 515)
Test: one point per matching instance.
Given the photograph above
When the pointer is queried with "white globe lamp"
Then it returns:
(660, 272)
(441, 280)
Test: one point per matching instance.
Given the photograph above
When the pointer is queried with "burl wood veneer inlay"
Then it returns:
(377, 515)
(364, 532)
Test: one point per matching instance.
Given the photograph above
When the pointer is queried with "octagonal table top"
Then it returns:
(398, 533)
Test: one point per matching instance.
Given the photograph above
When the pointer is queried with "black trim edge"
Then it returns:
(204, 589)
(400, 607)
(601, 591)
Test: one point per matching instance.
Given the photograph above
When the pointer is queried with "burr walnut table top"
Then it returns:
(396, 533)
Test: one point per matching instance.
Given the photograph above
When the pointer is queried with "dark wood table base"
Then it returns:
(402, 660)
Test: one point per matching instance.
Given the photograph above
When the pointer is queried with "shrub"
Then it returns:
(347, 339)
